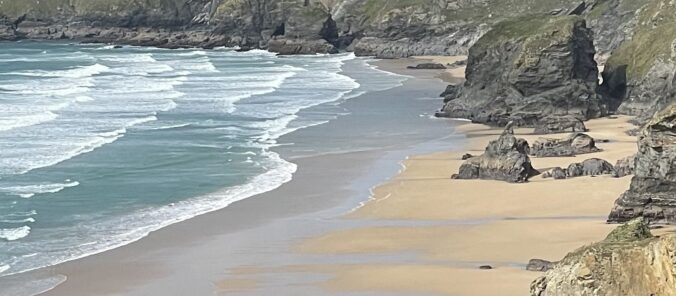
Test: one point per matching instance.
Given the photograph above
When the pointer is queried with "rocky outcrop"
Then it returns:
(630, 261)
(590, 167)
(539, 265)
(505, 159)
(527, 69)
(569, 146)
(559, 124)
(557, 173)
(625, 166)
(639, 76)
(427, 66)
(292, 47)
(652, 193)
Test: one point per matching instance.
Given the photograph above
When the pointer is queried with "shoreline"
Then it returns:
(144, 264)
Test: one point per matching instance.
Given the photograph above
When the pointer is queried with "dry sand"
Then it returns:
(502, 225)
(476, 222)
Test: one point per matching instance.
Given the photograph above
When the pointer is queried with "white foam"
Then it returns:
(28, 191)
(78, 72)
(12, 234)
(4, 268)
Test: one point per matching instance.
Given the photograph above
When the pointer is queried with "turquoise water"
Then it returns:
(100, 146)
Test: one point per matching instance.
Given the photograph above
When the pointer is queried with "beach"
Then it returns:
(383, 218)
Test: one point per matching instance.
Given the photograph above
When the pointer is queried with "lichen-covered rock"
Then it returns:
(590, 167)
(559, 124)
(625, 166)
(574, 144)
(630, 261)
(505, 159)
(529, 68)
(652, 193)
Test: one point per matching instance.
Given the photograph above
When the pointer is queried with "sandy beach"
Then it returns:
(476, 222)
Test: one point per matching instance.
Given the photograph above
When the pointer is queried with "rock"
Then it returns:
(625, 166)
(559, 124)
(450, 93)
(652, 193)
(590, 167)
(458, 64)
(557, 173)
(574, 144)
(299, 46)
(630, 261)
(539, 265)
(485, 267)
(528, 69)
(505, 159)
(467, 156)
(427, 66)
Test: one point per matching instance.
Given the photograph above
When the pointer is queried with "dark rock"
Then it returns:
(529, 68)
(485, 267)
(557, 173)
(467, 156)
(574, 144)
(450, 93)
(427, 66)
(300, 46)
(590, 167)
(652, 193)
(559, 124)
(505, 159)
(625, 166)
(539, 265)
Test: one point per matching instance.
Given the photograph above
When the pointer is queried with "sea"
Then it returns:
(101, 145)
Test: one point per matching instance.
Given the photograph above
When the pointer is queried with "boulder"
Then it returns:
(539, 265)
(427, 66)
(569, 146)
(467, 156)
(450, 91)
(285, 46)
(652, 193)
(590, 167)
(505, 159)
(625, 166)
(557, 173)
(559, 124)
(630, 261)
(527, 69)
(458, 64)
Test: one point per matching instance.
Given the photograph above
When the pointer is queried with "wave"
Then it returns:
(12, 234)
(26, 220)
(15, 122)
(28, 191)
(77, 72)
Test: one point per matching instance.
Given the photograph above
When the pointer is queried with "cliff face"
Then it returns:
(386, 28)
(653, 188)
(628, 262)
(529, 68)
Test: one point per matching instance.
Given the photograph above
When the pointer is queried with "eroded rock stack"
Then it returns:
(653, 188)
(527, 69)
(505, 159)
(630, 261)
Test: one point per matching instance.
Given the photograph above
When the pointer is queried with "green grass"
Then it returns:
(652, 39)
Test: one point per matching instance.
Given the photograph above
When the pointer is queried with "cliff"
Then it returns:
(652, 194)
(385, 28)
(529, 68)
(630, 261)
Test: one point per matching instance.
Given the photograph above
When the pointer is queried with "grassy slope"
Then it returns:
(652, 39)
